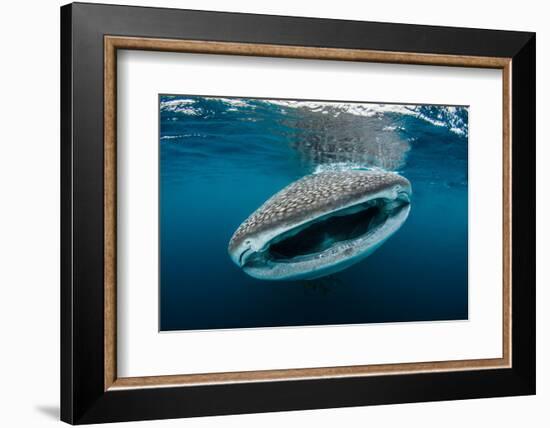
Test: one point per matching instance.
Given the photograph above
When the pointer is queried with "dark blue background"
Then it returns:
(219, 161)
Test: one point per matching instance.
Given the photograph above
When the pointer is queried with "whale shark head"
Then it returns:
(321, 224)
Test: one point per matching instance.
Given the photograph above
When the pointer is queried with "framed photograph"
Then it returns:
(265, 213)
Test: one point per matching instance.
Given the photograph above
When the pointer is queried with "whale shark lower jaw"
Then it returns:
(327, 239)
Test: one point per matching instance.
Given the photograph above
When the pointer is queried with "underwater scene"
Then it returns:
(277, 212)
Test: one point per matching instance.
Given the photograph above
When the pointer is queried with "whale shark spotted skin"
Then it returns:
(321, 224)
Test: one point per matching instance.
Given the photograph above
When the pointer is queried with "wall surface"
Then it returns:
(29, 226)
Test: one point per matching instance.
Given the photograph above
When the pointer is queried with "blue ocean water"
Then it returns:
(221, 158)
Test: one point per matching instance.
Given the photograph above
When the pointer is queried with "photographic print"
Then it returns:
(280, 212)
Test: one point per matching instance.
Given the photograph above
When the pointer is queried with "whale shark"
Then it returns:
(321, 224)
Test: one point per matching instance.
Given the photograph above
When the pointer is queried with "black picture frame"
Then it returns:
(83, 396)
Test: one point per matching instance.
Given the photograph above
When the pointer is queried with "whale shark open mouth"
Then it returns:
(322, 233)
